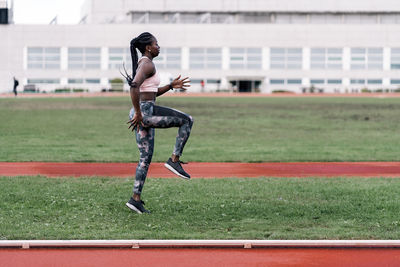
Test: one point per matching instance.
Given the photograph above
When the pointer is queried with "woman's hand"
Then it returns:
(181, 83)
(136, 121)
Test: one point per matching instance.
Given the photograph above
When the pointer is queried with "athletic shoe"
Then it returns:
(136, 206)
(176, 168)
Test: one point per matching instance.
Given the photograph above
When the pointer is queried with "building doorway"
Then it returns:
(245, 86)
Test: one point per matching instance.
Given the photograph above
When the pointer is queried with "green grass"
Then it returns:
(264, 208)
(225, 129)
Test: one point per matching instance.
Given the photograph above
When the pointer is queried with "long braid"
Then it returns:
(140, 43)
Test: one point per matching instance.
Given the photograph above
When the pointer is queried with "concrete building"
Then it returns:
(240, 45)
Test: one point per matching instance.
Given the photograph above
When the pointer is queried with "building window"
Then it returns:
(326, 58)
(357, 81)
(294, 81)
(81, 81)
(395, 59)
(169, 58)
(205, 58)
(277, 81)
(74, 81)
(334, 81)
(325, 18)
(366, 58)
(245, 58)
(395, 81)
(43, 81)
(390, 18)
(374, 81)
(44, 58)
(93, 81)
(286, 58)
(317, 81)
(288, 18)
(117, 56)
(84, 58)
(360, 18)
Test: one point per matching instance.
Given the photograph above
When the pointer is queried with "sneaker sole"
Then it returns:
(174, 171)
(133, 207)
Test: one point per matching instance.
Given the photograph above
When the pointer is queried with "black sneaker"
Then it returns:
(136, 206)
(176, 168)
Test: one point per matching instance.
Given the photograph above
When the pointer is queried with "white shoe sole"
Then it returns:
(129, 205)
(174, 171)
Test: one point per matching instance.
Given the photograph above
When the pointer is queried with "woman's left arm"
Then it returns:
(177, 83)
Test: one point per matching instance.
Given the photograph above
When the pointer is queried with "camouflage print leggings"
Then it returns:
(157, 117)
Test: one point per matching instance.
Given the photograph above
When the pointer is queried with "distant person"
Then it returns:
(16, 83)
(145, 115)
(202, 85)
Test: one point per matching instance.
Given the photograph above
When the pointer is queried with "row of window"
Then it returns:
(273, 81)
(332, 81)
(264, 17)
(211, 58)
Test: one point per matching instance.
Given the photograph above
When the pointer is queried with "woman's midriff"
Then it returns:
(147, 96)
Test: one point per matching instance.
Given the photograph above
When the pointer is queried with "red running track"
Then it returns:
(207, 169)
(200, 257)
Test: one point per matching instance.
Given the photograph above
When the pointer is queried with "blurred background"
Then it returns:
(267, 46)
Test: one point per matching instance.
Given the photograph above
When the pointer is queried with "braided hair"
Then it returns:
(140, 43)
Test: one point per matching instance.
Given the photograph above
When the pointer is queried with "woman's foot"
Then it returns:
(176, 168)
(136, 206)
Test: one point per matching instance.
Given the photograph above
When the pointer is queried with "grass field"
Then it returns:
(225, 129)
(264, 208)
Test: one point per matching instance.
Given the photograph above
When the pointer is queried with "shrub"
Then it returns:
(62, 90)
(117, 85)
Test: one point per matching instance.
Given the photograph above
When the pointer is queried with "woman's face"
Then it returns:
(154, 48)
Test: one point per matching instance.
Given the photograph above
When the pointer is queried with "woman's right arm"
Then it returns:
(144, 70)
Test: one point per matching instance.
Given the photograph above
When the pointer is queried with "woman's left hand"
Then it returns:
(181, 83)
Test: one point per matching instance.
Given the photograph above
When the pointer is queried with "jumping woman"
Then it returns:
(145, 115)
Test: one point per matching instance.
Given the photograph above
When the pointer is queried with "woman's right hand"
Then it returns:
(136, 121)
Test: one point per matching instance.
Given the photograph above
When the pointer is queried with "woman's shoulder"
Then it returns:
(147, 65)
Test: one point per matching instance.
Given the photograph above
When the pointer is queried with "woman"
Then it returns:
(145, 116)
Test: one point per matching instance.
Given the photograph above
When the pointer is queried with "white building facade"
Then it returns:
(236, 45)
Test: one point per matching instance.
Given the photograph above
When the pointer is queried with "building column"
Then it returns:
(64, 81)
(104, 83)
(386, 58)
(104, 58)
(265, 58)
(185, 59)
(306, 58)
(25, 58)
(345, 85)
(265, 86)
(346, 58)
(64, 58)
(225, 58)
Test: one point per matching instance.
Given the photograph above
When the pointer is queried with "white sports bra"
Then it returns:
(150, 84)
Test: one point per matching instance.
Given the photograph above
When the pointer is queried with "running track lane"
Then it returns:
(206, 169)
(200, 257)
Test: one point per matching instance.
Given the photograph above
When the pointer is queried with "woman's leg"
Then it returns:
(145, 143)
(164, 117)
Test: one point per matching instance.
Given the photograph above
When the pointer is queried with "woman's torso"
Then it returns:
(149, 88)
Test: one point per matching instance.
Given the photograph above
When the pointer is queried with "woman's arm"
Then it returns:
(164, 89)
(177, 83)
